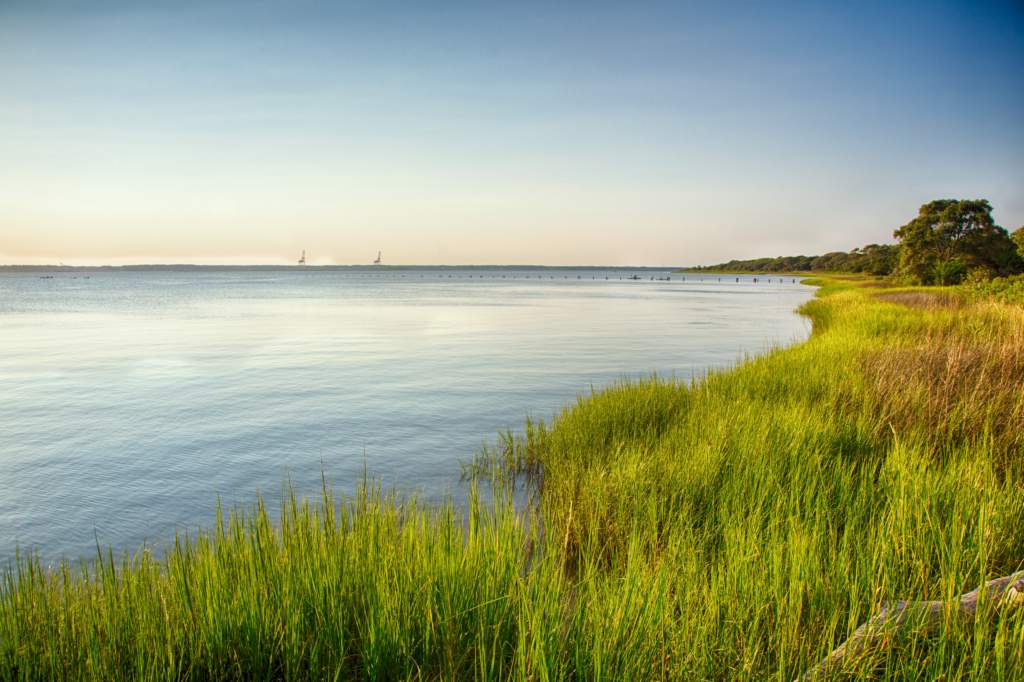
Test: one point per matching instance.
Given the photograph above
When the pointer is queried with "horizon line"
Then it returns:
(370, 266)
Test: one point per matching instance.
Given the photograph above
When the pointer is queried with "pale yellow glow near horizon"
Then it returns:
(420, 223)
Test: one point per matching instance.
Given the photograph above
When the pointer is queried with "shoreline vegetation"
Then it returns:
(949, 242)
(740, 526)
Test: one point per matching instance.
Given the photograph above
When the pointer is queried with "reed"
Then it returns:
(784, 499)
(735, 527)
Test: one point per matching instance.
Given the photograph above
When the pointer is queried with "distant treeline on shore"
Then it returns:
(949, 242)
(874, 259)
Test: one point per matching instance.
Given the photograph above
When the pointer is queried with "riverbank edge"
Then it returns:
(379, 586)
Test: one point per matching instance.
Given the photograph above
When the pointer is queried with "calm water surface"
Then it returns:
(129, 401)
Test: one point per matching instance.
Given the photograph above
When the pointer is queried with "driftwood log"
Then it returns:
(894, 618)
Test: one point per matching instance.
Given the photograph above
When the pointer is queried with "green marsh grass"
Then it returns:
(737, 527)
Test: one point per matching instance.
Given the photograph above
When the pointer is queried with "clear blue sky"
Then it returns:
(483, 132)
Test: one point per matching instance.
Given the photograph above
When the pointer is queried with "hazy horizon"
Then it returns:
(361, 266)
(656, 134)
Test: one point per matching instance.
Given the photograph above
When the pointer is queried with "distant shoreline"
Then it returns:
(312, 268)
(805, 273)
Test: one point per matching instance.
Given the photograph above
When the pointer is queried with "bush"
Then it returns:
(1002, 289)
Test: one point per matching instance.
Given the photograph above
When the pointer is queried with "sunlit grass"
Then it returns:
(782, 500)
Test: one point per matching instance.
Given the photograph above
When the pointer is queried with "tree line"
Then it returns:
(948, 242)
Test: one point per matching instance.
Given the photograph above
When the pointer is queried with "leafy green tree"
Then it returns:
(948, 237)
(880, 259)
(1018, 238)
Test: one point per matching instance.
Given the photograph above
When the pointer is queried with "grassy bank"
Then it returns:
(736, 528)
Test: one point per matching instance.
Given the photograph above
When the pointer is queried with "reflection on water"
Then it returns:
(131, 400)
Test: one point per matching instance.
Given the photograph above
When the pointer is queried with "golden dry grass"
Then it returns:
(954, 387)
(920, 299)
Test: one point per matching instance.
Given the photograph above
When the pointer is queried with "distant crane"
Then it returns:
(302, 261)
(377, 262)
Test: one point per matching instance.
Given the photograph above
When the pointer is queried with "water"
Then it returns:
(129, 401)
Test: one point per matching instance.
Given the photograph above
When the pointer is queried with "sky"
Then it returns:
(480, 132)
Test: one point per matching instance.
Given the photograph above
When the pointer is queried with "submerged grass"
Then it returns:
(738, 527)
